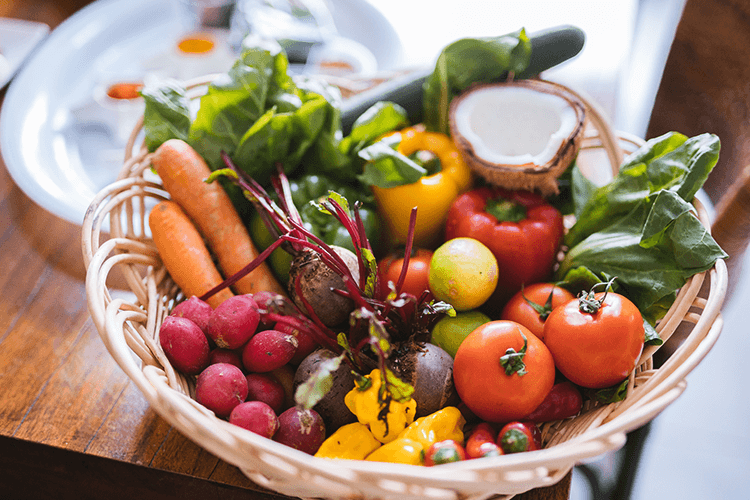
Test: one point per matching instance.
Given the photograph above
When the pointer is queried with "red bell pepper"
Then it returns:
(521, 229)
(563, 401)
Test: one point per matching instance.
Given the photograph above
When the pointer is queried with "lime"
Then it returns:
(449, 332)
(463, 273)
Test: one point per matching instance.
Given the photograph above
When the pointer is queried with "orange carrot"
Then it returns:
(184, 253)
(183, 171)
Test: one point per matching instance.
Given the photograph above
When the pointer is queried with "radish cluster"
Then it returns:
(244, 364)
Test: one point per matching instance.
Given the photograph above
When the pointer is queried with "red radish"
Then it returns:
(256, 417)
(195, 309)
(234, 322)
(268, 350)
(301, 429)
(285, 376)
(185, 345)
(306, 343)
(220, 388)
(220, 355)
(266, 388)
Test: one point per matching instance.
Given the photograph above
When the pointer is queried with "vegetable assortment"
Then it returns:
(322, 273)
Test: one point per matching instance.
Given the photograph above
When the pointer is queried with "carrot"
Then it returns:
(184, 253)
(183, 171)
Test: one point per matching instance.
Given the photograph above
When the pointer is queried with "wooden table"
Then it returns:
(71, 422)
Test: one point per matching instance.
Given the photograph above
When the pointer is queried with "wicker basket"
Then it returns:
(129, 328)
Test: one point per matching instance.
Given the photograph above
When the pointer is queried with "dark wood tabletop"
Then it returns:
(72, 425)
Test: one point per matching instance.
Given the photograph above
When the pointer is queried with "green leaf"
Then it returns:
(317, 385)
(386, 167)
(651, 335)
(469, 61)
(379, 119)
(167, 114)
(612, 394)
(399, 390)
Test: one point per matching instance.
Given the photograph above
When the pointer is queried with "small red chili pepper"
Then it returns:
(489, 449)
(563, 401)
(444, 452)
(517, 437)
(482, 433)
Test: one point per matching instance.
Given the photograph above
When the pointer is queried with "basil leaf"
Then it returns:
(469, 61)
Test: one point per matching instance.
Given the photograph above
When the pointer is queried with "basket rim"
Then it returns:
(123, 326)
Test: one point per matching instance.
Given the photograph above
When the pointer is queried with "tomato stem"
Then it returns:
(512, 361)
(587, 301)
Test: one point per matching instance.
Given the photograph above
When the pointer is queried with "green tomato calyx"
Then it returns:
(587, 301)
(512, 361)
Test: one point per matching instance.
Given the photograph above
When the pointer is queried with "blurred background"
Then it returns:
(697, 448)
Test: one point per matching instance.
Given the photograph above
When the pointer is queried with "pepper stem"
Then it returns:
(587, 301)
(505, 210)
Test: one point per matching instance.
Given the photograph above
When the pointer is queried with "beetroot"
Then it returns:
(220, 388)
(185, 345)
(268, 350)
(220, 355)
(266, 388)
(234, 322)
(301, 429)
(195, 310)
(256, 417)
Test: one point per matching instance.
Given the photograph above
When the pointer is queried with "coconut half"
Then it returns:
(518, 135)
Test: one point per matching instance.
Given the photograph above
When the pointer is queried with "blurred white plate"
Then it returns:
(18, 38)
(61, 162)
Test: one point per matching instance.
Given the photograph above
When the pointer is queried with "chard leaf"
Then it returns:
(167, 114)
(468, 61)
(317, 385)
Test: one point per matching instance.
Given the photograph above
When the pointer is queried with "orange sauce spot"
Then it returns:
(125, 90)
(195, 45)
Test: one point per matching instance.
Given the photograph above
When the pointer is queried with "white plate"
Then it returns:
(18, 38)
(61, 162)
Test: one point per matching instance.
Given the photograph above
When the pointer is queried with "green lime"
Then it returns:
(463, 273)
(449, 332)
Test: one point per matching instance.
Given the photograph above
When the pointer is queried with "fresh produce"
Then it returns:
(444, 424)
(183, 173)
(306, 343)
(194, 309)
(221, 355)
(352, 441)
(595, 340)
(234, 322)
(185, 344)
(502, 371)
(533, 304)
(463, 273)
(563, 401)
(432, 192)
(256, 417)
(428, 369)
(301, 429)
(385, 422)
(517, 437)
(416, 280)
(399, 451)
(268, 350)
(481, 442)
(444, 452)
(450, 331)
(183, 252)
(266, 388)
(521, 229)
(220, 388)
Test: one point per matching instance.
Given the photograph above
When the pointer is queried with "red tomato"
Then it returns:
(417, 275)
(544, 297)
(502, 371)
(596, 349)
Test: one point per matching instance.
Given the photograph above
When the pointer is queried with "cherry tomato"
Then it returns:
(417, 275)
(532, 305)
(479, 441)
(502, 371)
(444, 452)
(516, 437)
(596, 347)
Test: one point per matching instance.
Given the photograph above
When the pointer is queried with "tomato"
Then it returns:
(417, 275)
(502, 371)
(596, 348)
(533, 304)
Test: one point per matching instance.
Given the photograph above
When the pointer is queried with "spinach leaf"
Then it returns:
(167, 114)
(469, 61)
(386, 167)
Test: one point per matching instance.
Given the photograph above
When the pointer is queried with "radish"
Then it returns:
(256, 417)
(234, 321)
(185, 345)
(220, 388)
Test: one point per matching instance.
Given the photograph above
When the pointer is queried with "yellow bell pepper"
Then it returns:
(384, 425)
(400, 451)
(442, 425)
(352, 441)
(432, 194)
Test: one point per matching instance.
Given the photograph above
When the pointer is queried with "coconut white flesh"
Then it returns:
(515, 125)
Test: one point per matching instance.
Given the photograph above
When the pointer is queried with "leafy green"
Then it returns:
(385, 167)
(469, 61)
(312, 390)
(642, 229)
(167, 114)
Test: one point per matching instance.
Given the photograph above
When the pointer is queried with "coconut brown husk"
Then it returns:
(541, 178)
